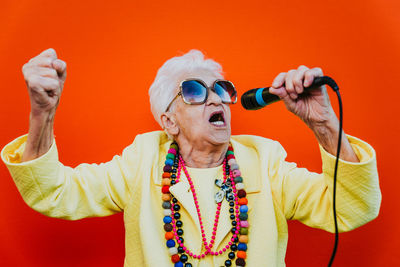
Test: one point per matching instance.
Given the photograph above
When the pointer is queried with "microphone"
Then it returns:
(260, 97)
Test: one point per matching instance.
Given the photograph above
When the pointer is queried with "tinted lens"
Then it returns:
(226, 91)
(193, 92)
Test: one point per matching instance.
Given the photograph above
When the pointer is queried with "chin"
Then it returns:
(221, 138)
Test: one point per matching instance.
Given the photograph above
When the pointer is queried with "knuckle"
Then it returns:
(318, 70)
(308, 73)
(51, 52)
(297, 82)
(302, 67)
(52, 72)
(289, 87)
(48, 61)
(52, 84)
(280, 76)
(24, 68)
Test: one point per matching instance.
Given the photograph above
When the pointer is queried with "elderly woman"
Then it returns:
(193, 195)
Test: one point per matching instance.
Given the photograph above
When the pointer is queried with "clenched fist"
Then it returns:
(45, 76)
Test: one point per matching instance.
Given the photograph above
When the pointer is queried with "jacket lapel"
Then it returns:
(181, 191)
(248, 163)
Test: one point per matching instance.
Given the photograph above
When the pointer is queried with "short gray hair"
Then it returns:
(168, 77)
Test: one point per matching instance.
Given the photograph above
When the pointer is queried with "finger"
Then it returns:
(49, 84)
(279, 80)
(61, 67)
(283, 94)
(36, 82)
(42, 71)
(280, 91)
(310, 74)
(41, 61)
(289, 84)
(51, 53)
(298, 79)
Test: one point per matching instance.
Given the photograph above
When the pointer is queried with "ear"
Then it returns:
(169, 123)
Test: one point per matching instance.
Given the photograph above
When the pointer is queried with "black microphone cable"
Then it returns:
(335, 88)
(258, 98)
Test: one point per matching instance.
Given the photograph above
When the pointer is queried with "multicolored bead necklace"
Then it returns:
(233, 189)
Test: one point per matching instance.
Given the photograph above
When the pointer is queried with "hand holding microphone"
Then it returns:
(301, 90)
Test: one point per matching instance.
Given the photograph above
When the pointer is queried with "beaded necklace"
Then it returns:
(233, 189)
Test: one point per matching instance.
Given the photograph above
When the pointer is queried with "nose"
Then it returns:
(213, 98)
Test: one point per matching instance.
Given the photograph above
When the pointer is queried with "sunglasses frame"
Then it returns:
(208, 88)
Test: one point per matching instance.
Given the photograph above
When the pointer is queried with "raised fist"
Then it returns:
(45, 76)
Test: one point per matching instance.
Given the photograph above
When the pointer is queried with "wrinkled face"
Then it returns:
(206, 123)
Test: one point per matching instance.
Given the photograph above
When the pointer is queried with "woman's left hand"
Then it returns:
(314, 107)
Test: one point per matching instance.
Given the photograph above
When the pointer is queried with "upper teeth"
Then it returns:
(218, 122)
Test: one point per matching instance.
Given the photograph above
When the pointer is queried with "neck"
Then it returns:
(202, 156)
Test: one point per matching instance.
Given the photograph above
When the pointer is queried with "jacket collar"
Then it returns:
(246, 158)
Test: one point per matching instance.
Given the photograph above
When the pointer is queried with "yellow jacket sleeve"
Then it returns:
(307, 196)
(55, 190)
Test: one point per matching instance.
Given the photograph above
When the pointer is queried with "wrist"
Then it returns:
(327, 133)
(41, 117)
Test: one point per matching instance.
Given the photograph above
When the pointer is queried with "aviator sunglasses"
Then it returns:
(195, 92)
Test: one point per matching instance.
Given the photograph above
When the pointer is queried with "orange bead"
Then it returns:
(241, 254)
(243, 239)
(166, 197)
(169, 235)
(243, 201)
(166, 181)
(166, 175)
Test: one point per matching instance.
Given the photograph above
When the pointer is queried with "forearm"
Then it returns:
(327, 135)
(40, 136)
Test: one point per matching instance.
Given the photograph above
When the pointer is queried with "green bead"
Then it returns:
(243, 216)
(244, 231)
(174, 145)
(170, 156)
(238, 179)
(229, 153)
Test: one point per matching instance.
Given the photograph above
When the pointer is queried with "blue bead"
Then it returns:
(244, 208)
(167, 219)
(169, 162)
(178, 264)
(170, 243)
(242, 246)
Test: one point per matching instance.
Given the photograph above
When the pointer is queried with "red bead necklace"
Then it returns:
(232, 188)
(207, 246)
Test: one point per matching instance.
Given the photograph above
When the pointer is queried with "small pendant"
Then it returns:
(219, 196)
(218, 182)
(230, 196)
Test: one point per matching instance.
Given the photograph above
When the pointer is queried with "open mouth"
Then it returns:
(217, 118)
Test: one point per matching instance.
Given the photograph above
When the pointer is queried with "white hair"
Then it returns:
(168, 77)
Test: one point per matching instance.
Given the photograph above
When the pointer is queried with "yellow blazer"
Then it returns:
(277, 191)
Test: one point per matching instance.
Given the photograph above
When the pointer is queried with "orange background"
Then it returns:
(113, 50)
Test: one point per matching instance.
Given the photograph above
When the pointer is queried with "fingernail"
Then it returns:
(275, 84)
(293, 96)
